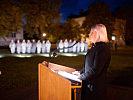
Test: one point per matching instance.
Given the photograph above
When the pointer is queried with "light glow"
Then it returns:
(45, 55)
(68, 54)
(23, 55)
(113, 37)
(1, 56)
(44, 34)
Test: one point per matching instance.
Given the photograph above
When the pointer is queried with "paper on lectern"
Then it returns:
(69, 76)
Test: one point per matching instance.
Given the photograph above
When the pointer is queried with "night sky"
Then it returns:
(73, 6)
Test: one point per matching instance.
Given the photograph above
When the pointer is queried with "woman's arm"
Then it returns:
(91, 72)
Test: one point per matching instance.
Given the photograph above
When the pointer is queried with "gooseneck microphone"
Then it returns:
(55, 54)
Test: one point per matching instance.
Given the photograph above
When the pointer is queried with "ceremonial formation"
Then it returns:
(33, 46)
(72, 46)
(30, 46)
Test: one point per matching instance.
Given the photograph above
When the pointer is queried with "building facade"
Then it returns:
(119, 31)
(4, 41)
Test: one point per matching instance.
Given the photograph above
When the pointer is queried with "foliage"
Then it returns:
(99, 13)
(41, 16)
(126, 13)
(70, 30)
(10, 17)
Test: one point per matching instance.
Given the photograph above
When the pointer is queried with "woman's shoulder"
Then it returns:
(103, 47)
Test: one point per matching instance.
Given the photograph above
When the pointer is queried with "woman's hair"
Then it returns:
(101, 32)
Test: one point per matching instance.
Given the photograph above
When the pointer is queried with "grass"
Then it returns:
(23, 72)
(120, 71)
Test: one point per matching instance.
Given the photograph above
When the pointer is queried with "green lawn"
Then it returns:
(23, 72)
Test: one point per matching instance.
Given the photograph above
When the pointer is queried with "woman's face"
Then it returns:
(92, 36)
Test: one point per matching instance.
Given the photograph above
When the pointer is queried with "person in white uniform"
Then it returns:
(28, 45)
(23, 46)
(57, 44)
(70, 49)
(39, 46)
(61, 46)
(43, 47)
(75, 46)
(86, 46)
(12, 46)
(18, 46)
(33, 48)
(78, 47)
(65, 46)
(82, 46)
(48, 46)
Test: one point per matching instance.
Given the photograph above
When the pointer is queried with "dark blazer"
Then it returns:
(93, 75)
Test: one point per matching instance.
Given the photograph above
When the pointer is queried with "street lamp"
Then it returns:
(44, 34)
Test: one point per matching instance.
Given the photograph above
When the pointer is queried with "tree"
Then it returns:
(10, 18)
(68, 30)
(99, 13)
(126, 14)
(41, 16)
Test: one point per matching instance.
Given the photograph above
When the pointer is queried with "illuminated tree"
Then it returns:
(68, 30)
(99, 13)
(126, 14)
(41, 16)
(10, 18)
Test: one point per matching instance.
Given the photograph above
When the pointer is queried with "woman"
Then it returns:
(97, 60)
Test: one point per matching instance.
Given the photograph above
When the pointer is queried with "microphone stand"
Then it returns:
(50, 56)
(54, 52)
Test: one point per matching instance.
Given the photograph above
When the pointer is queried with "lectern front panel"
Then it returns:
(53, 86)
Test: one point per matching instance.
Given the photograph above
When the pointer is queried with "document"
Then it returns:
(69, 76)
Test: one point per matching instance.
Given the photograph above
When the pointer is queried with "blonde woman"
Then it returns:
(97, 60)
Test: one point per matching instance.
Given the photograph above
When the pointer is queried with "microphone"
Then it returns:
(69, 46)
(55, 54)
(50, 56)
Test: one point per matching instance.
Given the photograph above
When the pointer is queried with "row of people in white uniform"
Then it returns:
(72, 46)
(30, 47)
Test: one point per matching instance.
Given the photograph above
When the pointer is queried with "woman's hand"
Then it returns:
(0, 72)
(76, 73)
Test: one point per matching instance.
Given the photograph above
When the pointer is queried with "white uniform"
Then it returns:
(61, 46)
(57, 44)
(33, 48)
(43, 47)
(39, 46)
(28, 45)
(78, 47)
(18, 46)
(70, 44)
(48, 46)
(82, 46)
(86, 46)
(12, 46)
(75, 46)
(66, 46)
(23, 46)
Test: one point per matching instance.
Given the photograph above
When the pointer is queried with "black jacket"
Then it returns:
(94, 72)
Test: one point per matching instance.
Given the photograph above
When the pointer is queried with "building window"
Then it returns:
(120, 38)
(13, 34)
(113, 37)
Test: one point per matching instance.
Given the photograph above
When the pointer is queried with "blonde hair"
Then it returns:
(101, 32)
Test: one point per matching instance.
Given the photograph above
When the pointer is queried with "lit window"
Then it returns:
(120, 38)
(113, 37)
(14, 34)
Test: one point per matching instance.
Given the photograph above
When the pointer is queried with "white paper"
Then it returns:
(69, 76)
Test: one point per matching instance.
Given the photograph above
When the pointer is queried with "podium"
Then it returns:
(53, 86)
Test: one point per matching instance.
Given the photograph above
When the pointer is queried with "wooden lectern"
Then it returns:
(53, 86)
